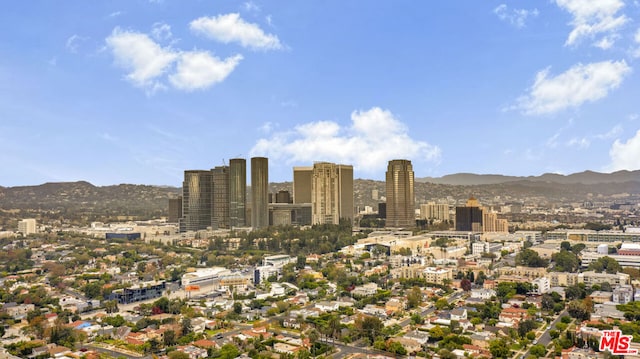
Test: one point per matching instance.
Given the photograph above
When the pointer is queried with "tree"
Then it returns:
(499, 348)
(369, 327)
(237, 308)
(111, 306)
(578, 310)
(396, 348)
(530, 258)
(565, 261)
(169, 338)
(185, 326)
(414, 297)
(605, 264)
(525, 327)
(465, 284)
(228, 351)
(538, 350)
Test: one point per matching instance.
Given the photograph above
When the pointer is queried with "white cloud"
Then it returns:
(251, 6)
(605, 43)
(145, 59)
(579, 142)
(161, 31)
(637, 36)
(516, 17)
(231, 28)
(115, 14)
(73, 42)
(613, 133)
(197, 70)
(593, 18)
(625, 155)
(374, 137)
(580, 84)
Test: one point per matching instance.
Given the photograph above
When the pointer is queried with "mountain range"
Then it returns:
(586, 177)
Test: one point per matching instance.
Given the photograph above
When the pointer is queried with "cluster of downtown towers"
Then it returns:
(322, 194)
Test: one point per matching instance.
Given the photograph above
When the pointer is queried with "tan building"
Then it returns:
(529, 272)
(435, 211)
(259, 192)
(400, 194)
(491, 222)
(302, 184)
(331, 193)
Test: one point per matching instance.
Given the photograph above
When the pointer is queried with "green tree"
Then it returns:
(228, 351)
(237, 308)
(605, 264)
(414, 297)
(565, 261)
(538, 350)
(499, 348)
(530, 258)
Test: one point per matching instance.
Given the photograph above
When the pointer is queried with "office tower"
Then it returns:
(331, 193)
(27, 226)
(302, 184)
(435, 211)
(469, 218)
(175, 210)
(259, 192)
(491, 222)
(197, 196)
(400, 197)
(220, 211)
(237, 192)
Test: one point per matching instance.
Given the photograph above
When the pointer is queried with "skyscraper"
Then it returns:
(331, 193)
(175, 210)
(400, 197)
(259, 192)
(302, 184)
(220, 212)
(469, 218)
(237, 192)
(197, 196)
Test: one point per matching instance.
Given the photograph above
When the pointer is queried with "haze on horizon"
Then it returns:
(139, 91)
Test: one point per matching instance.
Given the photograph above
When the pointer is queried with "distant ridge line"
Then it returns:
(586, 177)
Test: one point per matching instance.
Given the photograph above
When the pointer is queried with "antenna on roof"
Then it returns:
(224, 163)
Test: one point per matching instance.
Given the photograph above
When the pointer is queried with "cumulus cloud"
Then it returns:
(231, 28)
(515, 17)
(625, 155)
(198, 70)
(148, 63)
(139, 54)
(593, 18)
(580, 84)
(373, 137)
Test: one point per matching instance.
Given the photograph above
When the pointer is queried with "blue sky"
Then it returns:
(137, 91)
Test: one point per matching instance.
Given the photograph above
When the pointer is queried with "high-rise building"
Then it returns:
(259, 192)
(27, 226)
(175, 210)
(491, 222)
(400, 197)
(237, 192)
(437, 211)
(302, 184)
(197, 196)
(220, 211)
(469, 218)
(331, 193)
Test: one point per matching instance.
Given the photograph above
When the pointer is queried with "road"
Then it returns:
(116, 353)
(545, 338)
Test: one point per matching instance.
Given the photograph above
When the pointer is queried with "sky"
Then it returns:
(137, 91)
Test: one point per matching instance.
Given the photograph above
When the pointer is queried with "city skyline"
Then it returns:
(137, 91)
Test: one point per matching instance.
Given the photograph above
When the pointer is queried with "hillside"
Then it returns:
(586, 177)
